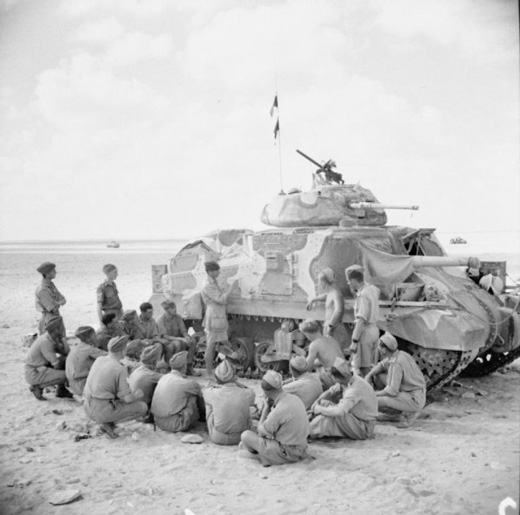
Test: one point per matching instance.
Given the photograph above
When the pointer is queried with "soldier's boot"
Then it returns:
(408, 419)
(37, 392)
(108, 429)
(63, 393)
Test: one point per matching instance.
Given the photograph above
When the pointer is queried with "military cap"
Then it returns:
(299, 363)
(84, 332)
(129, 314)
(46, 267)
(109, 268)
(273, 379)
(168, 304)
(356, 268)
(53, 322)
(211, 266)
(388, 341)
(179, 360)
(150, 355)
(342, 366)
(117, 344)
(225, 372)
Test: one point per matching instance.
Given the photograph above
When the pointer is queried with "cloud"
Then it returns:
(135, 8)
(103, 31)
(136, 47)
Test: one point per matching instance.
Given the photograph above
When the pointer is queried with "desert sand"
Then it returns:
(461, 456)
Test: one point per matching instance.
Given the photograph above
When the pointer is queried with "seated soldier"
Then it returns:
(172, 329)
(347, 409)
(283, 427)
(81, 358)
(304, 384)
(131, 326)
(400, 383)
(43, 366)
(109, 329)
(323, 351)
(108, 398)
(145, 377)
(176, 400)
(227, 407)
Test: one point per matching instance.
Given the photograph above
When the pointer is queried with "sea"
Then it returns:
(80, 263)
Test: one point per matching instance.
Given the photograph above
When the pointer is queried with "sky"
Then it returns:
(128, 119)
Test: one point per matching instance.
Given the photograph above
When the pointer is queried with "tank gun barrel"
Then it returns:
(426, 261)
(374, 205)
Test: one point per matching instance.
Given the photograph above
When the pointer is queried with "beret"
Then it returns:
(225, 372)
(273, 378)
(342, 366)
(46, 267)
(211, 266)
(298, 363)
(109, 268)
(84, 332)
(150, 355)
(388, 341)
(129, 314)
(118, 343)
(179, 360)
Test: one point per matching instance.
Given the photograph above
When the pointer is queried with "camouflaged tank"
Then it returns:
(439, 315)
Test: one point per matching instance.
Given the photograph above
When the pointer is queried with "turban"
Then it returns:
(109, 268)
(129, 314)
(46, 267)
(328, 274)
(179, 360)
(492, 281)
(53, 323)
(225, 372)
(309, 326)
(299, 363)
(388, 341)
(150, 355)
(342, 367)
(352, 268)
(211, 266)
(84, 332)
(273, 378)
(117, 344)
(168, 304)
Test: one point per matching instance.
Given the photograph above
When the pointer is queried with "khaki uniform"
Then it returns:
(307, 387)
(40, 361)
(48, 301)
(78, 365)
(108, 297)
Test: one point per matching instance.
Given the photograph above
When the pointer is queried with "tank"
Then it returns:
(427, 301)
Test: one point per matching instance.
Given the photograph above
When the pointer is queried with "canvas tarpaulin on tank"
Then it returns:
(383, 269)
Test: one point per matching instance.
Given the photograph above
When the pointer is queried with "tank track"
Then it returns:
(490, 362)
(440, 366)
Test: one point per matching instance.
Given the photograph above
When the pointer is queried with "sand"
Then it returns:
(462, 456)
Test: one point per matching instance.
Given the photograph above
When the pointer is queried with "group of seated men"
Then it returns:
(323, 398)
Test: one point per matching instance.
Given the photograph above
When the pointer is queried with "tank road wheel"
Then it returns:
(261, 350)
(245, 348)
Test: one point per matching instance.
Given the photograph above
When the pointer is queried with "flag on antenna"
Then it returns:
(276, 129)
(275, 105)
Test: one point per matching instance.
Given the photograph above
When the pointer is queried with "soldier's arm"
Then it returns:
(100, 296)
(48, 352)
(394, 382)
(47, 301)
(318, 298)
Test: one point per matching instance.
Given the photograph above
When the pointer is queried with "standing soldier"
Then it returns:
(215, 320)
(108, 300)
(334, 307)
(48, 298)
(366, 311)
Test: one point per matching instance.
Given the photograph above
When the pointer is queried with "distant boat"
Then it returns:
(458, 241)
(113, 244)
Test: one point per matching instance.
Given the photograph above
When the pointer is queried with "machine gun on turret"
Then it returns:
(329, 175)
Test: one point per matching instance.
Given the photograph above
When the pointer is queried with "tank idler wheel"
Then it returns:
(277, 366)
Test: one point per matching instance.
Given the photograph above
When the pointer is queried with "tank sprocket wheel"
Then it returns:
(260, 351)
(440, 366)
(489, 362)
(245, 348)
